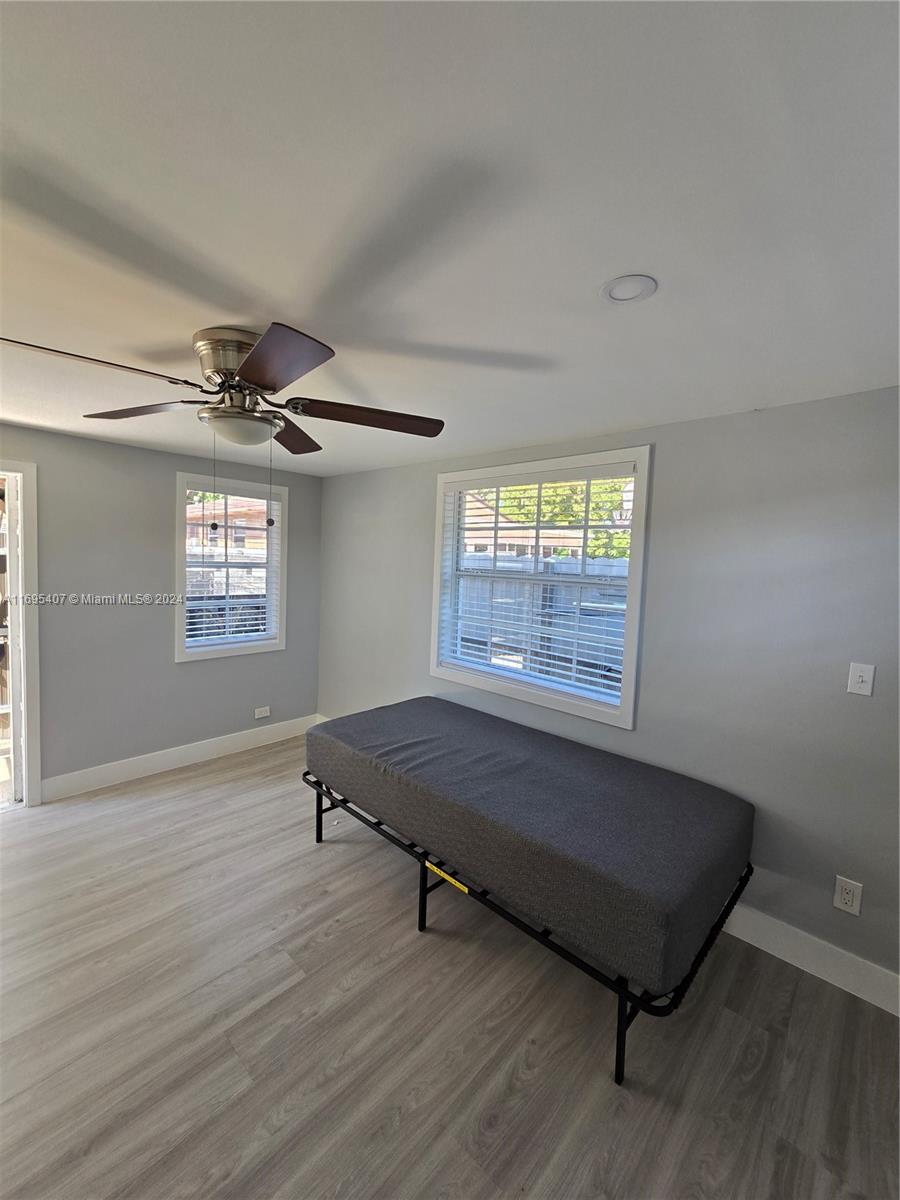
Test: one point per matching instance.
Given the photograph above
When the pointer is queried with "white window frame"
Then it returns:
(241, 487)
(621, 714)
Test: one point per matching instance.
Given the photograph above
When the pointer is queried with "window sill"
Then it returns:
(227, 650)
(620, 715)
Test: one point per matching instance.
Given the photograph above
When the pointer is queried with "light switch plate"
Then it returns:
(862, 679)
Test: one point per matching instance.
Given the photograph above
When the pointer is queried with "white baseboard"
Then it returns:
(856, 975)
(57, 787)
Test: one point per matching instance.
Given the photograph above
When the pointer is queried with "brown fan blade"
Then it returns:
(377, 418)
(116, 414)
(101, 362)
(280, 356)
(294, 439)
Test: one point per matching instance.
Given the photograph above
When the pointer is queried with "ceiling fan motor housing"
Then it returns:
(221, 351)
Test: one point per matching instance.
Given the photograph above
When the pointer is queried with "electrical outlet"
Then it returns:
(259, 713)
(847, 895)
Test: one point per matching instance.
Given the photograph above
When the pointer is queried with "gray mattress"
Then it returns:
(627, 863)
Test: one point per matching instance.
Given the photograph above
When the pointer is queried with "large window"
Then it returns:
(538, 581)
(230, 569)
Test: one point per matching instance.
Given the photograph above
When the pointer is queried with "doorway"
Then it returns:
(11, 790)
(19, 713)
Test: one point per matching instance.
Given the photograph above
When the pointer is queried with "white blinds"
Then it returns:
(534, 578)
(232, 573)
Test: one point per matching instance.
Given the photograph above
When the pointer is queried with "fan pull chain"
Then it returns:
(270, 520)
(214, 525)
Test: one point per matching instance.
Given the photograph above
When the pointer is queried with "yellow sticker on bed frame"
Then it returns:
(443, 874)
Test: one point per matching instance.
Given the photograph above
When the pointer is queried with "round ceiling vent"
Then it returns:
(626, 288)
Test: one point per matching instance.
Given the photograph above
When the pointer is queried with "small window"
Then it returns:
(230, 567)
(555, 621)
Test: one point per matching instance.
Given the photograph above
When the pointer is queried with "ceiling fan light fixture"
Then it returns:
(240, 426)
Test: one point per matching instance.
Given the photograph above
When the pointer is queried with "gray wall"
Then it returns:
(110, 686)
(792, 513)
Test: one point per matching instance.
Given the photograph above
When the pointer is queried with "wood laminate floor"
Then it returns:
(200, 1002)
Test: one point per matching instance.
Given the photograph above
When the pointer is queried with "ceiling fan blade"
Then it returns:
(280, 356)
(144, 410)
(376, 418)
(294, 439)
(102, 362)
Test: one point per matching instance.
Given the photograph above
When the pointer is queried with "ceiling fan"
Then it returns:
(243, 370)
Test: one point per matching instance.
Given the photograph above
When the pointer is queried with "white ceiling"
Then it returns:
(399, 178)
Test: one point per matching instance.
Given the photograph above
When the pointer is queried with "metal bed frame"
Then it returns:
(630, 1003)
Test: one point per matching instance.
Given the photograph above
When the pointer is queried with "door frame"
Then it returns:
(28, 586)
